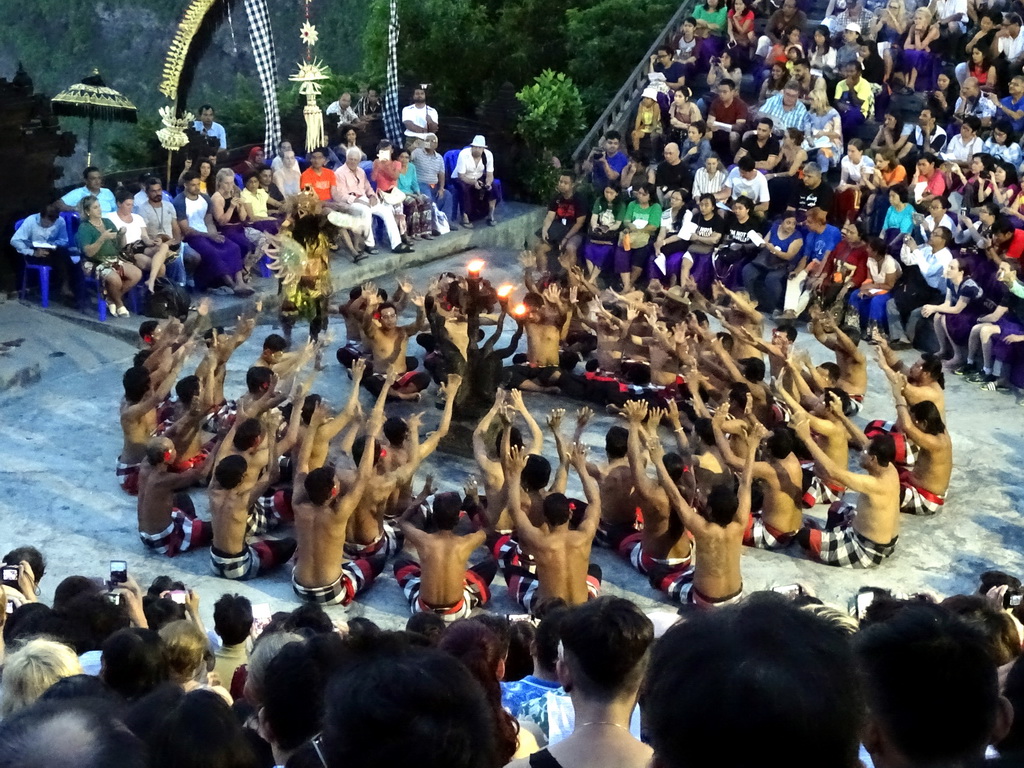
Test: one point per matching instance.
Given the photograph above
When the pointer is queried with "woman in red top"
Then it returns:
(846, 269)
(981, 68)
(741, 29)
(386, 171)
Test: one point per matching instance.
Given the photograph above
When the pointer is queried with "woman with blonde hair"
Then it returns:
(823, 132)
(31, 669)
(188, 654)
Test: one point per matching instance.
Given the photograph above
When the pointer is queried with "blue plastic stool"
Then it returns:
(264, 265)
(44, 282)
(101, 304)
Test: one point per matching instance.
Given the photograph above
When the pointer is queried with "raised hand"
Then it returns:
(578, 456)
(555, 418)
(655, 448)
(428, 486)
(802, 426)
(405, 284)
(583, 417)
(515, 461)
(515, 399)
(472, 488)
(358, 369)
(635, 411)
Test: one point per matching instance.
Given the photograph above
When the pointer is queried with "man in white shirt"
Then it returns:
(207, 127)
(745, 181)
(963, 147)
(93, 186)
(418, 118)
(922, 282)
(474, 175)
(971, 103)
(1009, 43)
(952, 14)
(341, 113)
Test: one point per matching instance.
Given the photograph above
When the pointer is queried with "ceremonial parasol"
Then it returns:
(92, 100)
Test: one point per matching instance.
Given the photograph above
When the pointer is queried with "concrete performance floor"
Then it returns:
(61, 439)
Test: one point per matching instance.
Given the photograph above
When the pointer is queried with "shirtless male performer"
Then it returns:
(864, 536)
(662, 543)
(922, 487)
(139, 416)
(782, 477)
(622, 507)
(546, 326)
(716, 579)
(443, 582)
(167, 518)
(388, 343)
(853, 365)
(322, 513)
(562, 555)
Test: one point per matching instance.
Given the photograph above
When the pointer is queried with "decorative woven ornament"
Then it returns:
(173, 136)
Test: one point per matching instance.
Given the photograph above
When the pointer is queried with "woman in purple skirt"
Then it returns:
(918, 59)
(605, 222)
(995, 350)
(957, 315)
(669, 246)
(710, 229)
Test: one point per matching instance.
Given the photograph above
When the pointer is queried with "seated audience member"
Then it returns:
(648, 132)
(762, 146)
(162, 227)
(641, 221)
(286, 170)
(474, 178)
(30, 669)
(663, 62)
(353, 189)
(386, 171)
(723, 68)
(682, 113)
(220, 260)
(962, 147)
(868, 300)
(605, 223)
(972, 104)
(738, 243)
(134, 241)
(695, 149)
(670, 174)
(1002, 144)
(606, 162)
(727, 118)
(922, 281)
(42, 239)
(805, 278)
(812, 192)
(929, 181)
(854, 99)
(430, 176)
(745, 181)
(97, 238)
(764, 278)
(134, 662)
(856, 170)
(709, 179)
(786, 177)
(785, 109)
(339, 112)
(823, 130)
(894, 136)
(93, 187)
(697, 260)
(669, 246)
(232, 622)
(417, 207)
(955, 317)
(909, 661)
(319, 178)
(795, 668)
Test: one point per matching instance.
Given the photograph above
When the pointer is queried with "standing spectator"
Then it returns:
(232, 621)
(340, 112)
(431, 176)
(93, 186)
(474, 177)
(42, 239)
(210, 129)
(418, 118)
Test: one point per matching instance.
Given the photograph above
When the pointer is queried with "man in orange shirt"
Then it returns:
(320, 179)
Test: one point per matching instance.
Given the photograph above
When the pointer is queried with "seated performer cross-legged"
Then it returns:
(388, 343)
(716, 579)
(865, 535)
(167, 518)
(442, 582)
(562, 555)
(322, 513)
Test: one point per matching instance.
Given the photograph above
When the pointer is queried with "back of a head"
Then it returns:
(267, 646)
(201, 731)
(185, 647)
(536, 473)
(446, 722)
(557, 509)
(549, 635)
(931, 685)
(29, 670)
(606, 643)
(446, 509)
(396, 430)
(232, 618)
(429, 625)
(133, 662)
(763, 656)
(294, 687)
(616, 442)
(30, 555)
(55, 734)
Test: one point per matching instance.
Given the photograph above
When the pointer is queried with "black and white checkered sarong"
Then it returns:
(392, 116)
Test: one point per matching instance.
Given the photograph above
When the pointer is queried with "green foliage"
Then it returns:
(607, 40)
(552, 115)
(136, 146)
